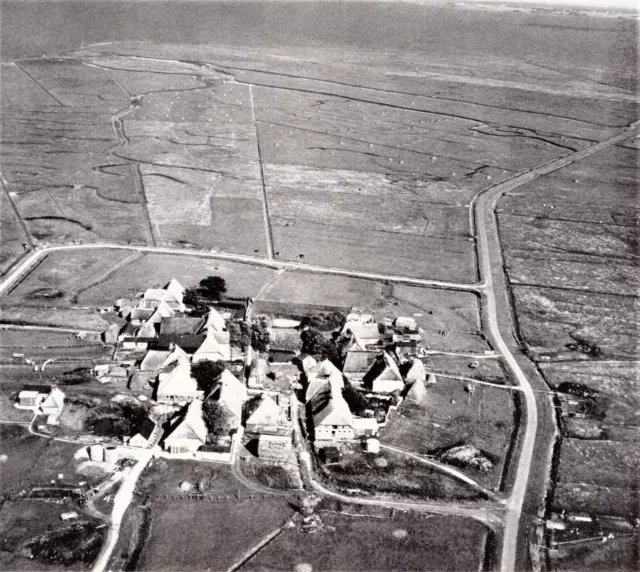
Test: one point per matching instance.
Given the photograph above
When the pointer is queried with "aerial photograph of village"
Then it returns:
(319, 285)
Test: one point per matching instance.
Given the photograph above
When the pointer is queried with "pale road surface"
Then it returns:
(448, 470)
(488, 245)
(41, 252)
(121, 502)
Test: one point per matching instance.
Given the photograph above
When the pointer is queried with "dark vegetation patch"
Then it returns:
(115, 419)
(77, 542)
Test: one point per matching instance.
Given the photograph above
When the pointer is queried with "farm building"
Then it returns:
(358, 317)
(188, 432)
(188, 342)
(180, 326)
(30, 399)
(231, 393)
(172, 295)
(153, 360)
(52, 405)
(175, 384)
(332, 419)
(362, 334)
(110, 335)
(263, 415)
(384, 375)
(215, 347)
(214, 321)
(139, 315)
(417, 392)
(365, 426)
(274, 447)
(148, 436)
(326, 371)
(415, 372)
(357, 363)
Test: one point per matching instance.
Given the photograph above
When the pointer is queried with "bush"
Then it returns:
(314, 343)
(206, 372)
(117, 419)
(324, 322)
(217, 419)
(213, 287)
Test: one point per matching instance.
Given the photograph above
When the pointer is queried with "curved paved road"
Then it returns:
(491, 270)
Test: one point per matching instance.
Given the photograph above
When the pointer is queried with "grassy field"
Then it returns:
(450, 416)
(619, 554)
(196, 535)
(153, 270)
(13, 235)
(406, 542)
(400, 476)
(598, 476)
(486, 370)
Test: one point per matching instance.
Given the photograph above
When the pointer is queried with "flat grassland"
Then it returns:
(405, 542)
(183, 534)
(450, 416)
(400, 475)
(598, 476)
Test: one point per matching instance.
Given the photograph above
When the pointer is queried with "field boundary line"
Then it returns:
(249, 554)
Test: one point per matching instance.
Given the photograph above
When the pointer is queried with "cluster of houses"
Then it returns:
(158, 320)
(380, 360)
(172, 341)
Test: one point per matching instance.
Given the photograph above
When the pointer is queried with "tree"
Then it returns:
(325, 322)
(242, 334)
(213, 287)
(356, 401)
(260, 336)
(206, 372)
(313, 342)
(192, 298)
(216, 419)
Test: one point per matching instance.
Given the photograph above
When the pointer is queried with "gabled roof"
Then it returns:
(178, 380)
(366, 334)
(141, 313)
(162, 294)
(316, 385)
(173, 355)
(322, 369)
(358, 361)
(383, 368)
(147, 428)
(416, 372)
(190, 424)
(181, 326)
(163, 310)
(153, 360)
(175, 288)
(417, 392)
(230, 392)
(214, 321)
(216, 344)
(54, 399)
(147, 330)
(266, 413)
(188, 342)
(335, 412)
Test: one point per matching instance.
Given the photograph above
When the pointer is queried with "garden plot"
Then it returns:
(450, 415)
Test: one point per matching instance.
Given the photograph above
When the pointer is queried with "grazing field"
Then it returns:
(23, 453)
(489, 369)
(619, 554)
(396, 474)
(195, 535)
(61, 276)
(598, 476)
(12, 237)
(449, 416)
(616, 381)
(405, 542)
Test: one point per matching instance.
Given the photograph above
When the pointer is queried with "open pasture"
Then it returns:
(198, 535)
(405, 542)
(448, 416)
(597, 476)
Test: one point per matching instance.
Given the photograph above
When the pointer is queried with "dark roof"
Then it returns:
(181, 326)
(147, 429)
(357, 361)
(378, 366)
(189, 343)
(215, 448)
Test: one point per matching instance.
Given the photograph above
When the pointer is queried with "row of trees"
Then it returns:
(256, 334)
